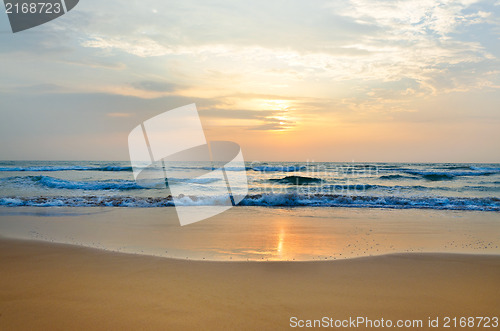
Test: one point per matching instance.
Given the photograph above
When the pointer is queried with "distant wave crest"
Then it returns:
(278, 168)
(449, 175)
(296, 180)
(395, 177)
(66, 168)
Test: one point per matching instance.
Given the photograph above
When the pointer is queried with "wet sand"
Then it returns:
(62, 287)
(259, 233)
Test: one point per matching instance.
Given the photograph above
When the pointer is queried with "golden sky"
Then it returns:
(288, 80)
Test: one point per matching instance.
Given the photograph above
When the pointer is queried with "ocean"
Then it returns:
(293, 211)
(442, 186)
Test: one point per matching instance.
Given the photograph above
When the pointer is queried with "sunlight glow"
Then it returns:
(281, 238)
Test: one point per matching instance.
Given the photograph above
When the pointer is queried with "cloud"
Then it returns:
(361, 40)
(237, 114)
(119, 114)
(412, 18)
(259, 65)
(142, 47)
(155, 86)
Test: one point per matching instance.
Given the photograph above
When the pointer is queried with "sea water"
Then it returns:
(449, 186)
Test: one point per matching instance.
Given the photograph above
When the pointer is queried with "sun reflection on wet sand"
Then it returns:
(281, 238)
(264, 234)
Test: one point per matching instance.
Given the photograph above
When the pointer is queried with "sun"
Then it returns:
(281, 118)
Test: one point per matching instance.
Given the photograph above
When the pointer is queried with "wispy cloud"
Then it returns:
(142, 47)
(403, 40)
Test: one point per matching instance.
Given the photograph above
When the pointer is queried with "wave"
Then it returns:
(357, 188)
(66, 168)
(439, 175)
(437, 166)
(112, 168)
(456, 167)
(57, 183)
(278, 168)
(225, 168)
(296, 180)
(86, 201)
(172, 180)
(391, 177)
(352, 187)
(486, 169)
(465, 167)
(257, 168)
(292, 200)
(105, 185)
(130, 169)
(483, 188)
(266, 200)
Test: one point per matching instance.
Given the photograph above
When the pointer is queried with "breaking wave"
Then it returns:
(266, 200)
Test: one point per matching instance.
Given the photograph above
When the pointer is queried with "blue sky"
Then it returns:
(288, 80)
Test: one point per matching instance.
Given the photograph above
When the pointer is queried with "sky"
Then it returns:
(349, 80)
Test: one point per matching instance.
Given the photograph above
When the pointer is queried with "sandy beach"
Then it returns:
(61, 287)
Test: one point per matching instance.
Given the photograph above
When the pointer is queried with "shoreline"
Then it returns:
(136, 254)
(47, 285)
(259, 234)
